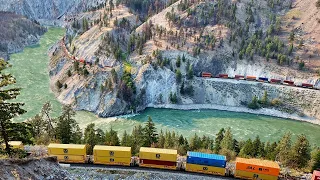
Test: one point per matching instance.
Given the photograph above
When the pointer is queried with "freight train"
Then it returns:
(260, 79)
(195, 162)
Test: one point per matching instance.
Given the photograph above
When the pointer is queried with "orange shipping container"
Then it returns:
(258, 166)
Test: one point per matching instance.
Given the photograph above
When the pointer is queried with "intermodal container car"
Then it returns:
(206, 159)
(67, 149)
(275, 81)
(206, 74)
(291, 83)
(124, 161)
(316, 175)
(112, 151)
(251, 78)
(71, 158)
(252, 175)
(239, 77)
(14, 144)
(224, 76)
(262, 79)
(158, 154)
(258, 166)
(307, 85)
(205, 169)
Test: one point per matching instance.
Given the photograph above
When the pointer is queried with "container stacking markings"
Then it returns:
(68, 153)
(112, 155)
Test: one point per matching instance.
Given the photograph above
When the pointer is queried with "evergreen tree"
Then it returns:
(150, 133)
(300, 152)
(195, 142)
(137, 138)
(67, 130)
(219, 137)
(112, 138)
(126, 139)
(161, 139)
(8, 110)
(90, 138)
(227, 141)
(178, 62)
(283, 148)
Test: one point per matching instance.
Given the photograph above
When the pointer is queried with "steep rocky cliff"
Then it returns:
(48, 11)
(118, 64)
(16, 33)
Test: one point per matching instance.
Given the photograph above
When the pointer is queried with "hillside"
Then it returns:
(48, 12)
(16, 33)
(133, 63)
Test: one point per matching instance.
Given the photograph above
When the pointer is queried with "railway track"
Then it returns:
(183, 174)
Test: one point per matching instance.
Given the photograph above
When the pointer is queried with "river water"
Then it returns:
(30, 68)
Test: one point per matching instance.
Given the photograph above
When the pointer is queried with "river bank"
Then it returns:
(262, 111)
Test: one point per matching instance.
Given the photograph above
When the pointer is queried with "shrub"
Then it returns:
(318, 4)
(59, 85)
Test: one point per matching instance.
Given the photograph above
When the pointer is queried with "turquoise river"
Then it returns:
(30, 67)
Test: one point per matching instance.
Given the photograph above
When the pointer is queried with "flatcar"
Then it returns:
(251, 78)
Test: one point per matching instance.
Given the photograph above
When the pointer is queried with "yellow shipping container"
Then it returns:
(252, 175)
(158, 154)
(67, 149)
(205, 169)
(14, 144)
(112, 160)
(71, 158)
(158, 166)
(115, 151)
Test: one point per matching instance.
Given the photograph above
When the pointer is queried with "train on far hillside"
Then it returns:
(261, 79)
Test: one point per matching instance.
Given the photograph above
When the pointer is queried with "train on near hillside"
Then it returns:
(156, 158)
(261, 79)
(196, 162)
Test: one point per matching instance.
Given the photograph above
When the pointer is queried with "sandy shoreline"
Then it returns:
(262, 111)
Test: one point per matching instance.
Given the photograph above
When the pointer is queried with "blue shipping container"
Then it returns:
(206, 159)
(263, 79)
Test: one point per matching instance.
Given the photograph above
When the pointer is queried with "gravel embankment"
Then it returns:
(126, 173)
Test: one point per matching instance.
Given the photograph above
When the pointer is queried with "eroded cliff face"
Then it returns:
(47, 11)
(16, 33)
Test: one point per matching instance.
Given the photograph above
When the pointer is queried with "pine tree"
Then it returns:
(137, 138)
(150, 133)
(90, 138)
(112, 138)
(227, 141)
(300, 153)
(178, 62)
(219, 137)
(126, 139)
(8, 110)
(161, 139)
(283, 148)
(67, 129)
